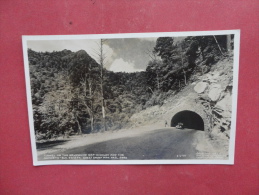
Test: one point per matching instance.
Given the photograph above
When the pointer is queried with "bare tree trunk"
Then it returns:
(102, 93)
(104, 116)
(92, 123)
(92, 119)
(218, 45)
(184, 74)
(91, 113)
(151, 90)
(157, 80)
(88, 97)
(79, 127)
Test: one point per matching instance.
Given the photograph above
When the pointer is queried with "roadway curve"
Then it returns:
(167, 143)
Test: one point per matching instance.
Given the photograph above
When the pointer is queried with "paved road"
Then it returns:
(168, 143)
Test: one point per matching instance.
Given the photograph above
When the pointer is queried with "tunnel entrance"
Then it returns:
(190, 119)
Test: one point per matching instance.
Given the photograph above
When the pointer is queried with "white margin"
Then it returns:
(234, 97)
(230, 161)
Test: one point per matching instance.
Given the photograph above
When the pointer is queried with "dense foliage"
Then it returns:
(66, 90)
(66, 93)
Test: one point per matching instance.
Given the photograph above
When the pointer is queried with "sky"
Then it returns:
(122, 54)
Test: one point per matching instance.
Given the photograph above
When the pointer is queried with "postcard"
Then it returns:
(140, 98)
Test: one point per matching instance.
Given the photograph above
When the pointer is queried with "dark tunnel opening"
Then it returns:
(190, 120)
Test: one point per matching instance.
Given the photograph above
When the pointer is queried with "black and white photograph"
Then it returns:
(140, 98)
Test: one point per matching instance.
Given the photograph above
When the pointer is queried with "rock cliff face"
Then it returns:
(217, 97)
(209, 96)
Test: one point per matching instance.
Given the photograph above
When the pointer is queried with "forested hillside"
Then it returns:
(72, 93)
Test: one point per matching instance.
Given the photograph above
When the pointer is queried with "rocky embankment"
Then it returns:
(215, 94)
(209, 95)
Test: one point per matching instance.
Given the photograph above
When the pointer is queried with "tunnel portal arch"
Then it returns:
(190, 119)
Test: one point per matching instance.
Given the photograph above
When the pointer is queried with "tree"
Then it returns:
(102, 57)
(152, 69)
(211, 48)
(192, 53)
(56, 113)
(166, 49)
(174, 63)
(153, 77)
(84, 74)
(88, 83)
